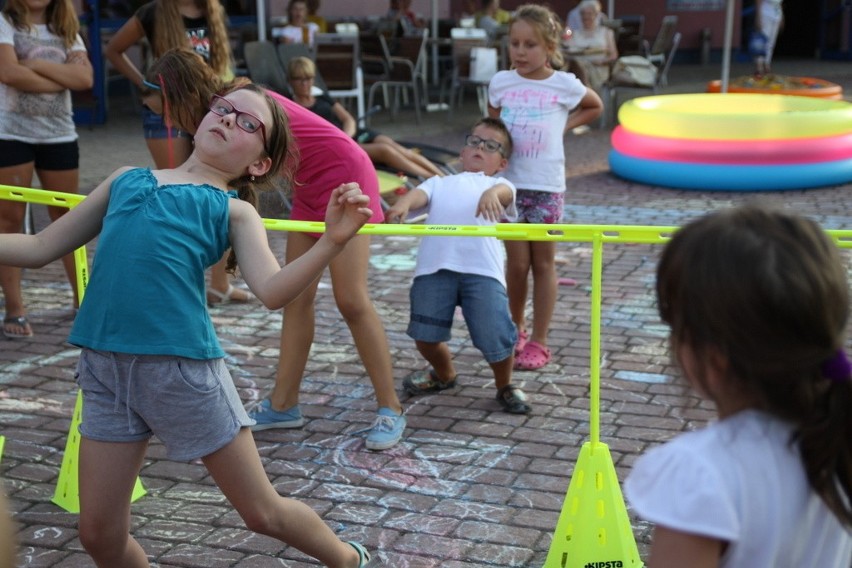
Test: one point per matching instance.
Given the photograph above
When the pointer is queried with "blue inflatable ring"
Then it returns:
(720, 177)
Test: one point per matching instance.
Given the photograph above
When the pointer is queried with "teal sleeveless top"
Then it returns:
(146, 294)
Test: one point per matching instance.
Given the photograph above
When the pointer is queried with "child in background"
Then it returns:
(151, 363)
(464, 271)
(758, 302)
(42, 59)
(534, 100)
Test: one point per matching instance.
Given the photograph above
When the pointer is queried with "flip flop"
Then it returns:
(20, 321)
(533, 356)
(226, 297)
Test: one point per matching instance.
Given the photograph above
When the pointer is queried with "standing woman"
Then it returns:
(170, 24)
(42, 59)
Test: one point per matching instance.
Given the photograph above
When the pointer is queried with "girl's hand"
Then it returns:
(153, 100)
(397, 213)
(348, 209)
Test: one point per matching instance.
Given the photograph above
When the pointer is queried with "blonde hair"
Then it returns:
(170, 32)
(303, 65)
(60, 15)
(548, 26)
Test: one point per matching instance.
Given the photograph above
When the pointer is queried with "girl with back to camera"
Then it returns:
(42, 59)
(150, 362)
(757, 301)
(534, 99)
(171, 24)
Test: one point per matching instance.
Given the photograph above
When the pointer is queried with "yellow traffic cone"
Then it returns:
(593, 530)
(67, 494)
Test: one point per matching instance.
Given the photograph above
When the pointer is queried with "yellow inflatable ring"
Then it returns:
(709, 116)
(810, 87)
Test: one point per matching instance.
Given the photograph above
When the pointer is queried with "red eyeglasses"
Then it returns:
(246, 121)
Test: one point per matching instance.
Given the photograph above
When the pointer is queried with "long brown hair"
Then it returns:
(170, 32)
(60, 15)
(767, 290)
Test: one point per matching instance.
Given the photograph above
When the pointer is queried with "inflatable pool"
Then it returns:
(734, 142)
(780, 85)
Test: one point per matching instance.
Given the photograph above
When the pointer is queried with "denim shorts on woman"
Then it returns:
(539, 206)
(57, 157)
(155, 126)
(484, 304)
(191, 405)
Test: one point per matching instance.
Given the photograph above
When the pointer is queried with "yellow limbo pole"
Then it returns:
(594, 530)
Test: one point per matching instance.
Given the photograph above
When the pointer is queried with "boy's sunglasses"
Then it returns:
(247, 122)
(474, 141)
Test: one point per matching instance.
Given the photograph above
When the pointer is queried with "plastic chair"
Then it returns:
(405, 71)
(463, 41)
(339, 62)
(264, 67)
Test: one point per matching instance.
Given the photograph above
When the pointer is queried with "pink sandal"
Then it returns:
(533, 356)
(523, 337)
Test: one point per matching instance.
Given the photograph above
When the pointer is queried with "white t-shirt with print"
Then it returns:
(36, 118)
(536, 113)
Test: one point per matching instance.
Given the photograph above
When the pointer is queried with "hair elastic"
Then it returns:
(837, 369)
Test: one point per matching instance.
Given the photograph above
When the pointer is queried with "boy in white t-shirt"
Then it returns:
(464, 271)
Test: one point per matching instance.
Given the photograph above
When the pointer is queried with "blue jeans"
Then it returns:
(484, 304)
(155, 126)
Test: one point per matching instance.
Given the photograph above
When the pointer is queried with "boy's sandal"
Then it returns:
(17, 321)
(533, 356)
(513, 400)
(523, 337)
(420, 382)
(363, 555)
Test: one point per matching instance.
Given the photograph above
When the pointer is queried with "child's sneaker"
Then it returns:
(386, 430)
(513, 400)
(267, 417)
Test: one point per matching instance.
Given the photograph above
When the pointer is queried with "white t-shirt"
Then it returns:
(536, 113)
(36, 118)
(740, 480)
(296, 34)
(452, 201)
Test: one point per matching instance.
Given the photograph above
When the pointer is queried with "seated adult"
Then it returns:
(301, 72)
(593, 45)
(492, 18)
(298, 28)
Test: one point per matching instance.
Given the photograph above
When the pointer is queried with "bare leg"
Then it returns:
(415, 157)
(11, 221)
(239, 473)
(544, 288)
(349, 282)
(220, 280)
(439, 358)
(107, 476)
(297, 333)
(66, 181)
(518, 258)
(503, 371)
(389, 156)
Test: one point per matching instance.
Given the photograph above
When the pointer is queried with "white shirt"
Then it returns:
(296, 34)
(453, 201)
(536, 113)
(739, 480)
(36, 118)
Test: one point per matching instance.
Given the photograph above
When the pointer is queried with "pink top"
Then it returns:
(327, 158)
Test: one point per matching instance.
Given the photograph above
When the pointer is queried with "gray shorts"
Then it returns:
(191, 405)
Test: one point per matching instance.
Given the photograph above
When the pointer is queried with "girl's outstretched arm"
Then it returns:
(276, 286)
(74, 229)
(675, 549)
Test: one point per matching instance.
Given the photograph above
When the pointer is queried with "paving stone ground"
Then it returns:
(469, 486)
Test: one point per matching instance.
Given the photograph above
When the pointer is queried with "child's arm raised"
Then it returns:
(276, 286)
(74, 229)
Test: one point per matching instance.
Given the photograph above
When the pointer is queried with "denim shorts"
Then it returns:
(155, 126)
(484, 304)
(539, 206)
(191, 405)
(58, 157)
